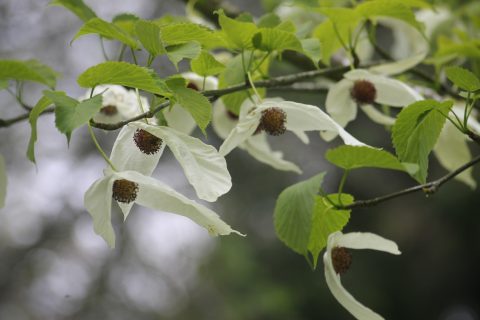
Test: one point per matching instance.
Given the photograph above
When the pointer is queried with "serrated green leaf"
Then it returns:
(77, 7)
(294, 211)
(149, 35)
(183, 32)
(70, 113)
(189, 50)
(416, 131)
(237, 34)
(41, 106)
(353, 157)
(270, 39)
(107, 30)
(29, 70)
(206, 65)
(397, 9)
(194, 102)
(326, 220)
(126, 22)
(124, 74)
(463, 78)
(3, 182)
(344, 22)
(311, 48)
(269, 20)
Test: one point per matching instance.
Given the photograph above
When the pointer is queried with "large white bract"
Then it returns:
(354, 240)
(151, 194)
(300, 118)
(3, 182)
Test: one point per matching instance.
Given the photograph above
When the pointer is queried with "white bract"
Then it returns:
(3, 182)
(452, 149)
(300, 118)
(150, 193)
(178, 117)
(354, 240)
(118, 104)
(257, 145)
(342, 106)
(204, 167)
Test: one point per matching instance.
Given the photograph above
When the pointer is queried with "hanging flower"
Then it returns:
(139, 146)
(275, 117)
(129, 187)
(118, 104)
(224, 121)
(3, 182)
(177, 116)
(337, 260)
(362, 88)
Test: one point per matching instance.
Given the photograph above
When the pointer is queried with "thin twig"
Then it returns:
(8, 122)
(428, 188)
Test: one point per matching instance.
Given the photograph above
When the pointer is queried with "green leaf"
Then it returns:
(77, 7)
(237, 34)
(189, 50)
(41, 106)
(416, 131)
(124, 74)
(126, 22)
(294, 211)
(269, 20)
(149, 35)
(311, 48)
(269, 39)
(191, 100)
(70, 113)
(182, 32)
(326, 220)
(206, 65)
(107, 30)
(29, 70)
(396, 9)
(354, 157)
(344, 22)
(463, 78)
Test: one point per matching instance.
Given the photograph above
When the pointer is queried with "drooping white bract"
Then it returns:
(354, 240)
(342, 106)
(3, 182)
(299, 119)
(257, 145)
(204, 167)
(177, 116)
(118, 104)
(452, 149)
(149, 193)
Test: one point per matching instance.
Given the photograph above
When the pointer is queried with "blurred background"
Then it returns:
(53, 266)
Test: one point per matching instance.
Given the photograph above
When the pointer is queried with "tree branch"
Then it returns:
(428, 188)
(280, 81)
(8, 122)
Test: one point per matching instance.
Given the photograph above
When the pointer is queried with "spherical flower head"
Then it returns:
(273, 121)
(363, 92)
(147, 142)
(109, 110)
(193, 86)
(124, 191)
(341, 259)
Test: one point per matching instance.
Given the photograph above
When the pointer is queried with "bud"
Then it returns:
(147, 142)
(273, 121)
(124, 190)
(109, 110)
(363, 92)
(341, 259)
